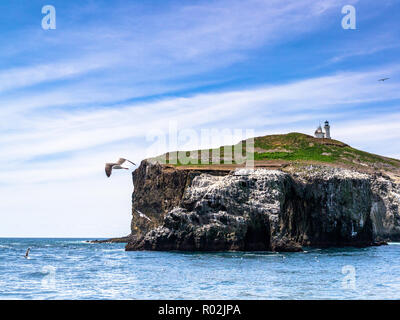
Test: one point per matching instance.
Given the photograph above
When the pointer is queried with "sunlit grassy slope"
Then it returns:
(292, 147)
(298, 146)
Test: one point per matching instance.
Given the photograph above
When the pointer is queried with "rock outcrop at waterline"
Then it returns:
(200, 210)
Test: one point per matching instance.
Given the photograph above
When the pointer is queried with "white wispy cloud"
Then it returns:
(31, 75)
(183, 40)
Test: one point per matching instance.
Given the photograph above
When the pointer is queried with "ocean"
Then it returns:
(75, 269)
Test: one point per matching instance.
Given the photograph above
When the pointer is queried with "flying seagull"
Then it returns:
(117, 165)
(27, 253)
(383, 79)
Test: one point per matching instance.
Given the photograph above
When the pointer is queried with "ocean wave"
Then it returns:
(114, 250)
(85, 242)
(266, 255)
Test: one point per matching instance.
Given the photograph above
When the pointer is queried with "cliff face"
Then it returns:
(158, 189)
(261, 209)
(385, 209)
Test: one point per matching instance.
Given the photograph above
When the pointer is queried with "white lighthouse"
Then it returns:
(321, 134)
(327, 128)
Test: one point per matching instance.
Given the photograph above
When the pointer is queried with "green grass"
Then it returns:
(296, 147)
(303, 147)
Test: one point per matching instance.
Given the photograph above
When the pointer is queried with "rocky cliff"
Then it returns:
(279, 210)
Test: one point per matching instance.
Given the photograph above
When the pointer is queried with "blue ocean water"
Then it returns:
(75, 269)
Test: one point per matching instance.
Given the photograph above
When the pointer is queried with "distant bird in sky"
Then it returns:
(117, 165)
(27, 253)
(383, 79)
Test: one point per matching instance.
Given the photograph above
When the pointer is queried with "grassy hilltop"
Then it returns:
(298, 146)
(294, 148)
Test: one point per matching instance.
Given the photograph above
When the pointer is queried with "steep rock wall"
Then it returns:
(260, 209)
(157, 190)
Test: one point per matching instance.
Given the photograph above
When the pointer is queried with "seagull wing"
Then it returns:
(130, 162)
(122, 160)
(108, 168)
(27, 252)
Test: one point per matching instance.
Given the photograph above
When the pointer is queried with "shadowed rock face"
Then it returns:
(261, 209)
(385, 210)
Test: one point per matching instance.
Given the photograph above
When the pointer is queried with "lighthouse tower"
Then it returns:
(327, 128)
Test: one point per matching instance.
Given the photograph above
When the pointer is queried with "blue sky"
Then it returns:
(92, 90)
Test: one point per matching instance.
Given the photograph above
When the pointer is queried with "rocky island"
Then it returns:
(303, 191)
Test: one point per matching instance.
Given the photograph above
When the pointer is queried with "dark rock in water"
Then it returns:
(113, 240)
(261, 210)
(379, 243)
(286, 246)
